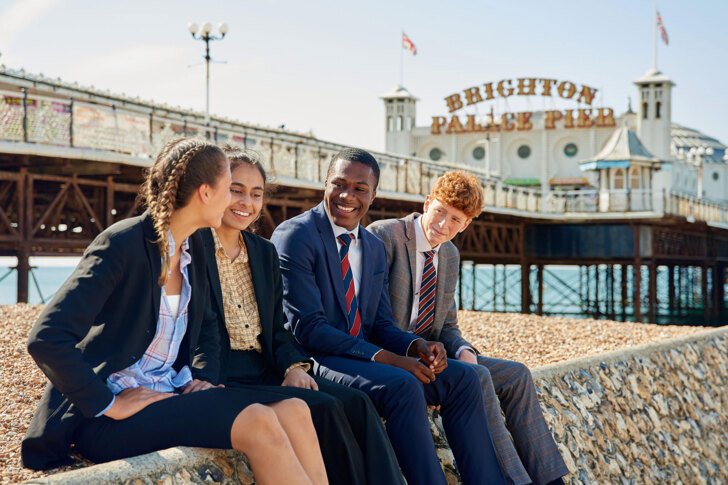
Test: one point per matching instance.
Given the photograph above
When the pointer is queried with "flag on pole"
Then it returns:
(661, 28)
(408, 44)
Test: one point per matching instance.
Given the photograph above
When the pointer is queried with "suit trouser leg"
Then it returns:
(402, 400)
(508, 457)
(516, 391)
(465, 423)
(380, 462)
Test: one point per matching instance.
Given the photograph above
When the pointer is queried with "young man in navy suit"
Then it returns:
(336, 301)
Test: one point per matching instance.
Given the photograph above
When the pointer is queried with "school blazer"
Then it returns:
(398, 236)
(313, 290)
(101, 321)
(278, 345)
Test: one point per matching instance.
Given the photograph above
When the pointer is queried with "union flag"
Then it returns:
(661, 28)
(408, 44)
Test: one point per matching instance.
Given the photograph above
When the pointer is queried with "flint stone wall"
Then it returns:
(648, 414)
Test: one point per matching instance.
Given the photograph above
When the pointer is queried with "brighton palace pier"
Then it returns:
(634, 204)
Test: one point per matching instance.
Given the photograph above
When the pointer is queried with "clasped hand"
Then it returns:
(426, 360)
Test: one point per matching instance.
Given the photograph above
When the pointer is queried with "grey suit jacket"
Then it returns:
(398, 236)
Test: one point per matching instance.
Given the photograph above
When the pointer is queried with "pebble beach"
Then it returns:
(530, 339)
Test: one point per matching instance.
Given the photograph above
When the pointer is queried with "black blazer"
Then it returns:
(101, 321)
(278, 345)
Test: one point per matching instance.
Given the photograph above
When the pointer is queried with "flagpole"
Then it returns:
(655, 22)
(401, 59)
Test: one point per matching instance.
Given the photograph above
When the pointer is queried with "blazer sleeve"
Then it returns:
(384, 235)
(302, 298)
(385, 332)
(67, 319)
(285, 351)
(206, 359)
(450, 335)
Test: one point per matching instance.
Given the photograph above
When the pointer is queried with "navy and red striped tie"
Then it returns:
(426, 308)
(352, 305)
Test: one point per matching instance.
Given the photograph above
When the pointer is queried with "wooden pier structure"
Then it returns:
(72, 159)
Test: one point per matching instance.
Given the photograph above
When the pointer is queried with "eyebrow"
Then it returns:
(239, 184)
(341, 179)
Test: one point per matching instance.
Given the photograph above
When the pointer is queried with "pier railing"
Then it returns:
(40, 112)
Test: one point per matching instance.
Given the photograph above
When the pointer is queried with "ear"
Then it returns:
(467, 223)
(204, 193)
(428, 201)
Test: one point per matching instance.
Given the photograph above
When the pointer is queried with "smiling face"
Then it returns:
(349, 191)
(442, 222)
(246, 203)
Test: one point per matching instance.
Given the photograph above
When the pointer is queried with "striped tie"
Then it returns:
(426, 312)
(352, 305)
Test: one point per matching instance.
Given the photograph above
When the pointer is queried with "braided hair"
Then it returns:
(183, 165)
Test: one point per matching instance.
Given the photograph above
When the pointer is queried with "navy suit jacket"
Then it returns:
(313, 290)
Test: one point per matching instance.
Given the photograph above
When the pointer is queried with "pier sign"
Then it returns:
(584, 116)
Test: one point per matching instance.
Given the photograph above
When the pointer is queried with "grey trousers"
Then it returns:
(531, 456)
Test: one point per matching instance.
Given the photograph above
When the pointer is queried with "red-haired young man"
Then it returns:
(423, 272)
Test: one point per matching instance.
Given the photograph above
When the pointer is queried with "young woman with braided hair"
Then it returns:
(130, 343)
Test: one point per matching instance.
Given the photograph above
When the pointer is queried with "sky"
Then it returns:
(321, 65)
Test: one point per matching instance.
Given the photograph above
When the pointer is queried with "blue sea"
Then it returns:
(567, 291)
(47, 276)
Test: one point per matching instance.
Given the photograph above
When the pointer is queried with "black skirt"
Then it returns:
(203, 419)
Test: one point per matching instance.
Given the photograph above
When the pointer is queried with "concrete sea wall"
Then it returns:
(648, 414)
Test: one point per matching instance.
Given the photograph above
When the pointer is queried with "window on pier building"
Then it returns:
(619, 179)
(658, 105)
(635, 178)
(400, 123)
(645, 107)
(390, 123)
(478, 153)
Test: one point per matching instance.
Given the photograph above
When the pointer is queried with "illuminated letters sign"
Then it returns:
(568, 118)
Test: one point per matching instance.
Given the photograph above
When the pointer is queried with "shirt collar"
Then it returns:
(338, 230)
(422, 243)
(220, 250)
(185, 258)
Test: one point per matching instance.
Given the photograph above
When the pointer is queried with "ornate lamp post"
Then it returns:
(204, 33)
(698, 156)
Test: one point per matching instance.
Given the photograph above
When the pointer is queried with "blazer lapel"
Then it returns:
(366, 274)
(411, 245)
(332, 254)
(155, 263)
(260, 282)
(442, 268)
(212, 270)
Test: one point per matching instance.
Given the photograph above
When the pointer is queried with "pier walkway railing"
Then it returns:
(44, 117)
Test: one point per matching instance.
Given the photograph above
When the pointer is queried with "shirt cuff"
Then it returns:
(113, 400)
(375, 354)
(410, 345)
(306, 366)
(465, 347)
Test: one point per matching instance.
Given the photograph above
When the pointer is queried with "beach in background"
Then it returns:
(48, 275)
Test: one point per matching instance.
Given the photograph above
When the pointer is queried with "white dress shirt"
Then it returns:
(354, 251)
